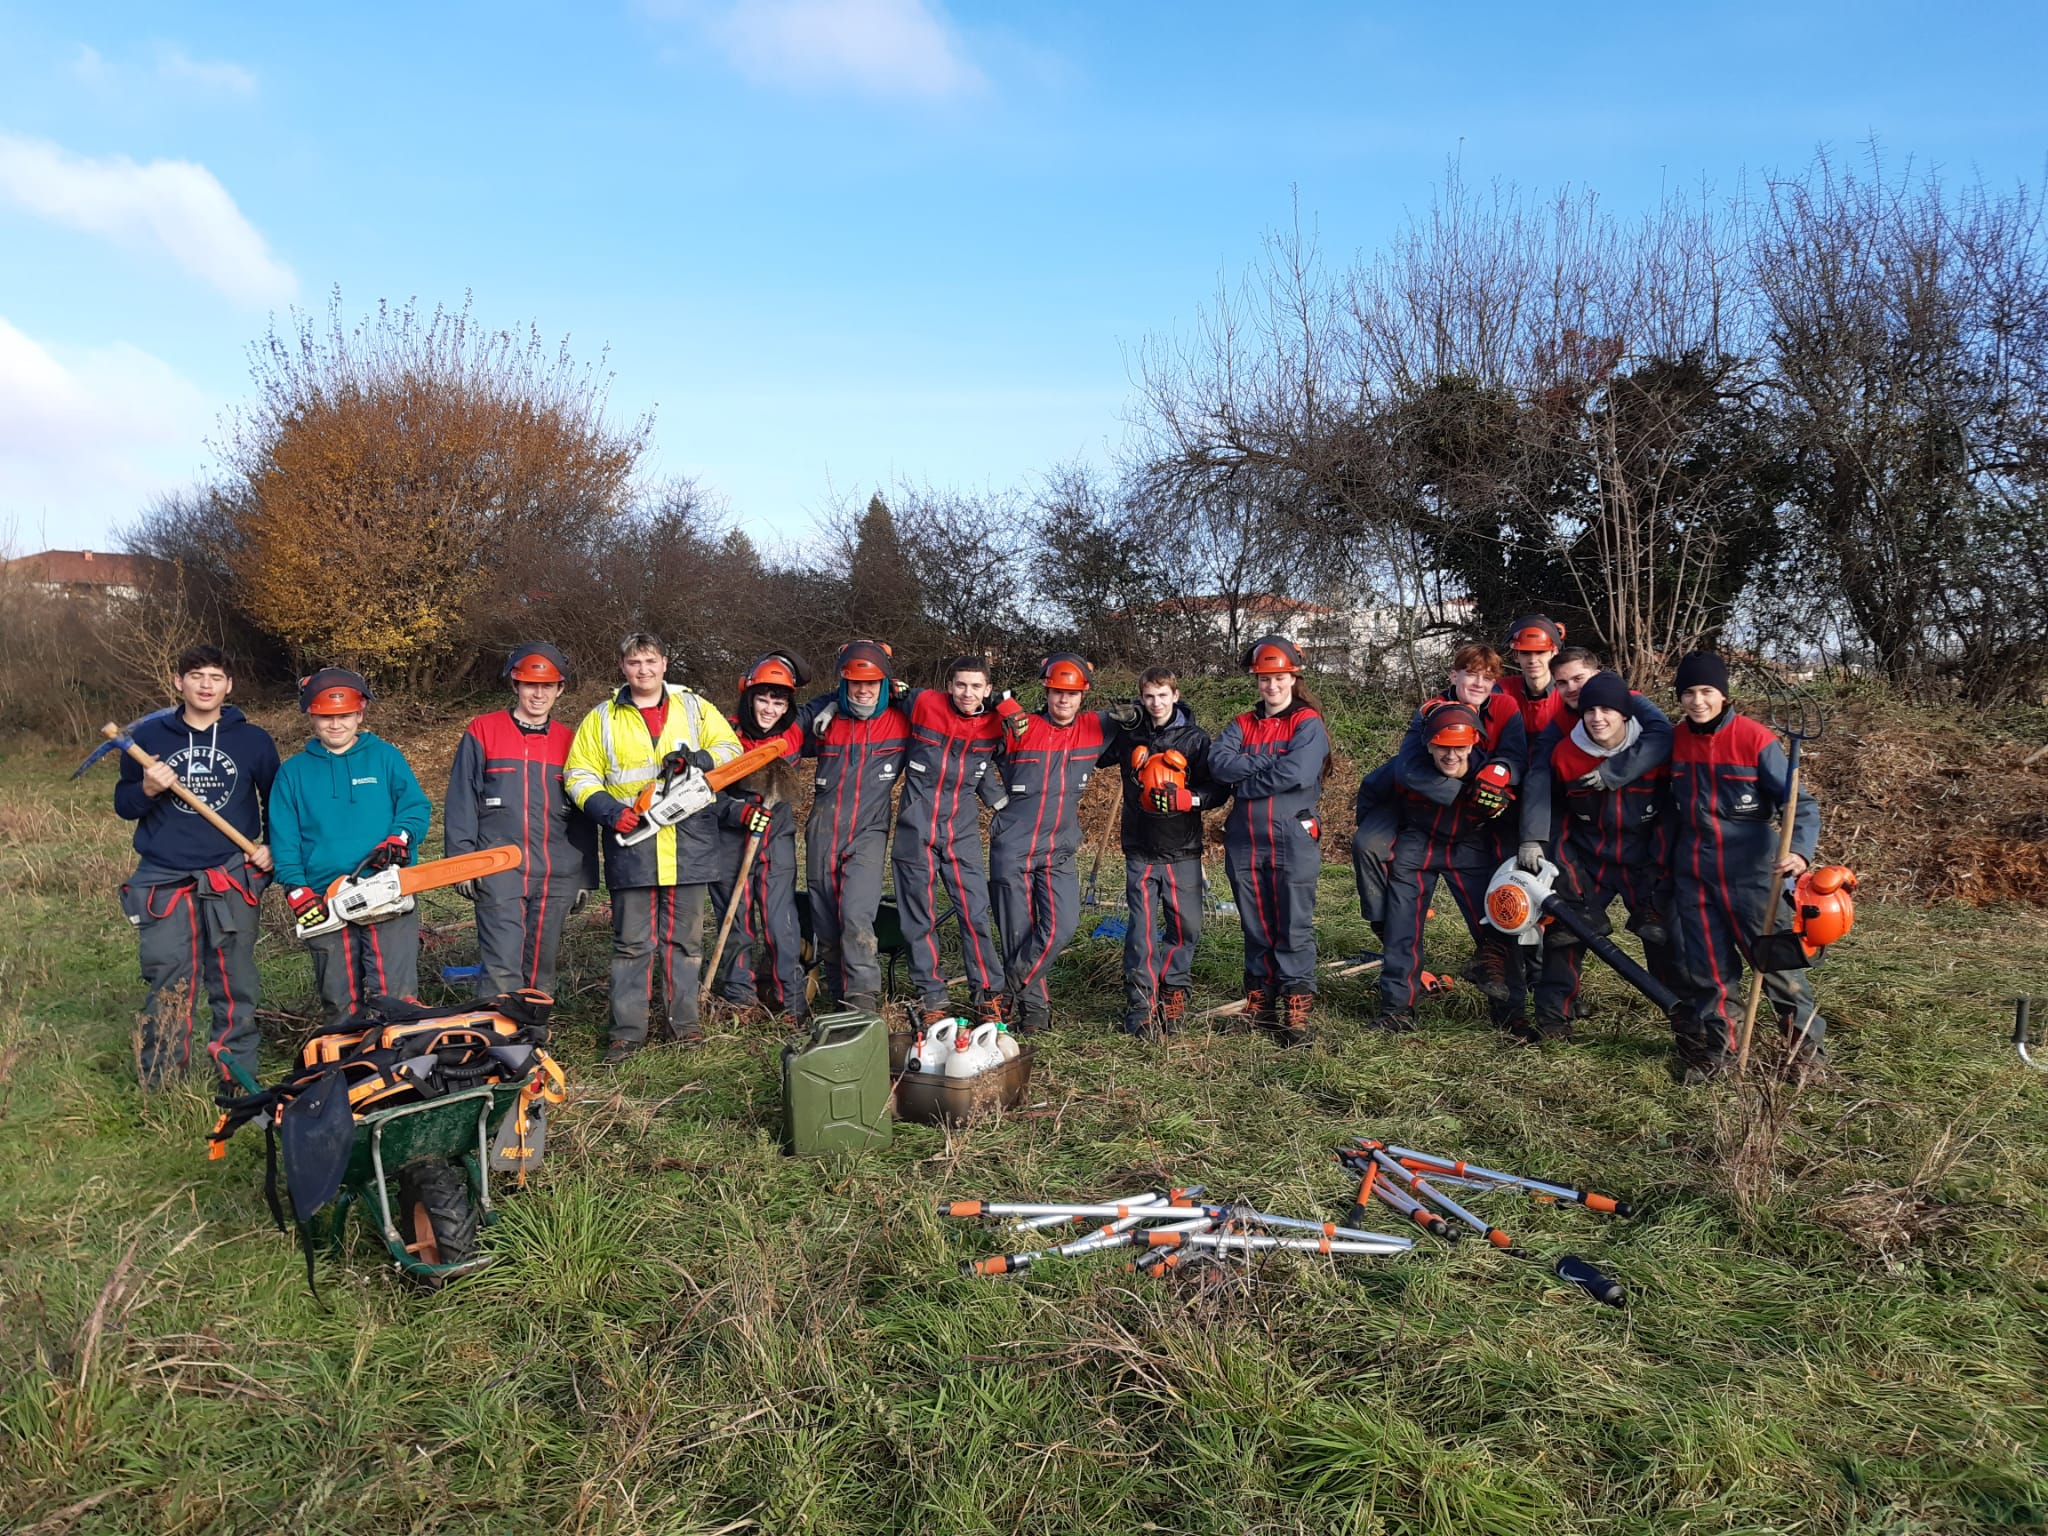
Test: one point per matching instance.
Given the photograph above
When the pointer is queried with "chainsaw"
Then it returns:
(382, 893)
(1518, 902)
(677, 797)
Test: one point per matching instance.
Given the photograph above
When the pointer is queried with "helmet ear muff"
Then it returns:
(1272, 655)
(1067, 671)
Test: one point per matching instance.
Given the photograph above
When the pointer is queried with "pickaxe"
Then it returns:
(123, 736)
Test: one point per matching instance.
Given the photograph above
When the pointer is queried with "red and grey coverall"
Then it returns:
(1272, 840)
(951, 771)
(1162, 864)
(1614, 840)
(846, 843)
(1539, 712)
(1728, 789)
(1034, 839)
(766, 923)
(1441, 833)
(506, 787)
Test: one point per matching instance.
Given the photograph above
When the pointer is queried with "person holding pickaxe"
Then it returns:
(196, 781)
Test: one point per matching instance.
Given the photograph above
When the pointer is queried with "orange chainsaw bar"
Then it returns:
(437, 873)
(749, 761)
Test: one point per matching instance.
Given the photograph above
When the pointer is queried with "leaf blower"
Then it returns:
(1517, 902)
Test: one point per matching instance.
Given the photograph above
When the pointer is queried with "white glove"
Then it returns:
(1530, 857)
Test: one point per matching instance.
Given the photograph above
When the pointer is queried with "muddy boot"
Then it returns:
(994, 1009)
(1553, 1027)
(1395, 1021)
(618, 1052)
(863, 1002)
(1489, 973)
(1140, 1028)
(927, 1017)
(1032, 1019)
(1258, 1009)
(1173, 1009)
(1292, 1027)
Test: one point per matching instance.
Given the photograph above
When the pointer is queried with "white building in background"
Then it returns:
(1362, 642)
(84, 573)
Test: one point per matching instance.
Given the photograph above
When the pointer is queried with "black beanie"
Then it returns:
(1606, 690)
(1701, 668)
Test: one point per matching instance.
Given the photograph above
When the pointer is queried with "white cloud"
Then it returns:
(886, 48)
(87, 439)
(89, 66)
(213, 77)
(173, 204)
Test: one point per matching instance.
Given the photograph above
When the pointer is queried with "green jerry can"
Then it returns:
(835, 1086)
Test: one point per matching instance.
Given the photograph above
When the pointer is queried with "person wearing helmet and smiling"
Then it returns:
(348, 801)
(1035, 835)
(1273, 759)
(506, 787)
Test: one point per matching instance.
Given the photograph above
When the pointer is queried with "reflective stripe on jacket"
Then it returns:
(612, 760)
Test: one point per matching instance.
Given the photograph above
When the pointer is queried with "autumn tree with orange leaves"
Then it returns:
(405, 494)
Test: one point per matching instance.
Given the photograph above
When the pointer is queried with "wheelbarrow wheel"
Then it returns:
(435, 1214)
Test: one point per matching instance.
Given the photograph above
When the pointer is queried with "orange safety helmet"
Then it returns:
(1068, 671)
(865, 661)
(333, 691)
(1822, 909)
(778, 669)
(539, 663)
(1447, 723)
(1273, 654)
(1534, 632)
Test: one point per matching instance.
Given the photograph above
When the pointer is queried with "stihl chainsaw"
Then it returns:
(369, 898)
(679, 796)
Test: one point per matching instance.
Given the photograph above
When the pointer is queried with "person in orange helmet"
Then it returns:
(506, 787)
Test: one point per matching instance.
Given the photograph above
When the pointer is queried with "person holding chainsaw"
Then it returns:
(1035, 834)
(1451, 831)
(1164, 759)
(1502, 754)
(506, 788)
(194, 894)
(1728, 782)
(859, 739)
(1597, 805)
(759, 811)
(950, 773)
(1273, 759)
(348, 805)
(646, 740)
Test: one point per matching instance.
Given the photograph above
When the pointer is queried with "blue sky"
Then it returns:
(831, 243)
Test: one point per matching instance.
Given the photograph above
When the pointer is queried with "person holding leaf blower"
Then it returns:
(506, 787)
(348, 802)
(951, 773)
(194, 894)
(758, 811)
(1273, 759)
(1164, 759)
(1597, 801)
(1728, 783)
(1035, 835)
(648, 728)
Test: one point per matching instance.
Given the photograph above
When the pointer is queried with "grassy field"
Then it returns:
(1836, 1318)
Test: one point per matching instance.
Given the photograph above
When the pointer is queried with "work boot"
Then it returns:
(1518, 1029)
(1145, 1028)
(1489, 973)
(1691, 1070)
(795, 1023)
(863, 1002)
(617, 1052)
(927, 1017)
(1292, 1027)
(1032, 1019)
(1395, 1021)
(994, 1009)
(1552, 1027)
(1258, 1008)
(1173, 1008)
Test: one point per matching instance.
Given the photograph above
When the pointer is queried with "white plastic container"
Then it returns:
(935, 1046)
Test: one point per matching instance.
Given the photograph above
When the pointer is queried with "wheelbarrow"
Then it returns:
(421, 1174)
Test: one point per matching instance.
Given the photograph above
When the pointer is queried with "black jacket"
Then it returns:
(1178, 834)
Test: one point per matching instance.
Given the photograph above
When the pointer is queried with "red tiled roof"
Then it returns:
(84, 568)
(1251, 602)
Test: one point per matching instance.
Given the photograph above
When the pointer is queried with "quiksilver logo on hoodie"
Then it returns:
(371, 780)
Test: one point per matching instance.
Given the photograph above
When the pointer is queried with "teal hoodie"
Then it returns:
(328, 810)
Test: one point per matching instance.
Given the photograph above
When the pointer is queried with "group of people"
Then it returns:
(1553, 762)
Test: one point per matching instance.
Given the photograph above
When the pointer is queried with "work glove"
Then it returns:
(683, 759)
(898, 687)
(1593, 781)
(1124, 715)
(1491, 792)
(626, 820)
(468, 890)
(1168, 798)
(395, 849)
(1138, 757)
(1015, 720)
(577, 905)
(757, 820)
(821, 722)
(1530, 857)
(308, 910)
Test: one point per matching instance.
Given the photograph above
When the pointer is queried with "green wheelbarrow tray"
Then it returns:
(456, 1129)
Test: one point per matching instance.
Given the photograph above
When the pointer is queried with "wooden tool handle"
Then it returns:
(732, 910)
(220, 823)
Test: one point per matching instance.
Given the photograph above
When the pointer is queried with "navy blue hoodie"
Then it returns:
(229, 765)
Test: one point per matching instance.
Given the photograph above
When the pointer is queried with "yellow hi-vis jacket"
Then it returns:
(612, 760)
